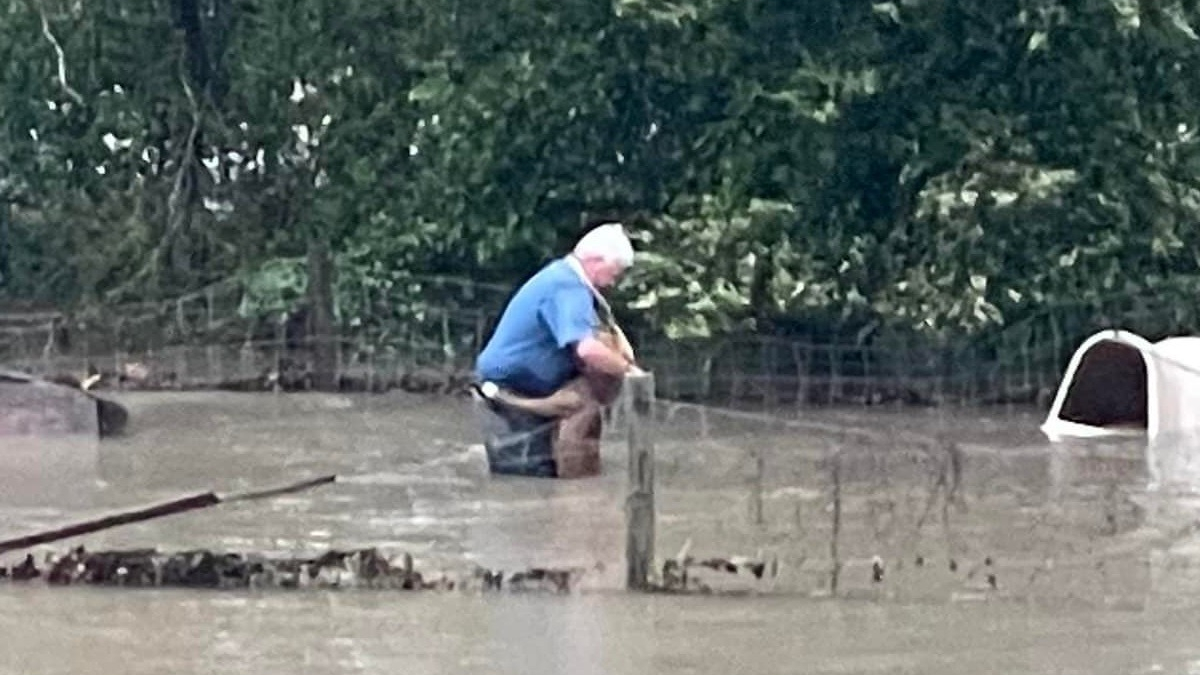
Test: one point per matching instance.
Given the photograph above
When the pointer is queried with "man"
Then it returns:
(555, 355)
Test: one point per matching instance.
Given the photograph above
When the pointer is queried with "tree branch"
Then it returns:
(62, 58)
(177, 201)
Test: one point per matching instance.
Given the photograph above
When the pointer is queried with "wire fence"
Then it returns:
(203, 340)
(955, 502)
(916, 506)
(418, 331)
(882, 469)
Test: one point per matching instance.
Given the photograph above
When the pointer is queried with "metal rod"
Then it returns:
(197, 501)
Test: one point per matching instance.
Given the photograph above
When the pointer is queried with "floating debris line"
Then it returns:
(355, 569)
(678, 573)
(365, 568)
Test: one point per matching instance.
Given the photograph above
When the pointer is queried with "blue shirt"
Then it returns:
(532, 350)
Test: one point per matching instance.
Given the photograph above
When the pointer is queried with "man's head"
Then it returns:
(604, 253)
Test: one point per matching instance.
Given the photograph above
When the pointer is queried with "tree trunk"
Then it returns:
(188, 18)
(320, 298)
(5, 238)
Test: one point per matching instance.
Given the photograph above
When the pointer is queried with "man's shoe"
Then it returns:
(486, 390)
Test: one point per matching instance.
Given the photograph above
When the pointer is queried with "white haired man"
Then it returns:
(555, 358)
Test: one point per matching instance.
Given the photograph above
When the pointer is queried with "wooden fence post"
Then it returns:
(280, 349)
(181, 346)
(835, 474)
(760, 479)
(215, 366)
(639, 507)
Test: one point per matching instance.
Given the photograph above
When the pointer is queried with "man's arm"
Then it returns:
(572, 320)
(611, 333)
(564, 402)
(596, 355)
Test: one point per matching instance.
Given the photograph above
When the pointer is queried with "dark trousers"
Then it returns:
(517, 443)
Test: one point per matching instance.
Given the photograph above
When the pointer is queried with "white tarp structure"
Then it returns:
(1118, 382)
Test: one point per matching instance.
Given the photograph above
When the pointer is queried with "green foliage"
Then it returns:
(940, 168)
(376, 304)
(276, 288)
(717, 267)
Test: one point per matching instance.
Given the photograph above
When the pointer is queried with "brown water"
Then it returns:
(1095, 576)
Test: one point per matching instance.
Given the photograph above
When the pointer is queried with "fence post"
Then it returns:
(770, 363)
(760, 479)
(835, 474)
(118, 352)
(802, 354)
(216, 369)
(835, 372)
(50, 348)
(280, 349)
(639, 507)
(181, 347)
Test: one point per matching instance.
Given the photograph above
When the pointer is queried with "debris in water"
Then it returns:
(876, 569)
(359, 569)
(23, 572)
(676, 576)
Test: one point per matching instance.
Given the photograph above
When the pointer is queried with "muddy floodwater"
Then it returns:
(901, 541)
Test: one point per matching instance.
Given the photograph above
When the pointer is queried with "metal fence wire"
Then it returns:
(917, 505)
(898, 468)
(423, 325)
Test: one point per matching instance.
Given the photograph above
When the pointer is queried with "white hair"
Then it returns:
(608, 242)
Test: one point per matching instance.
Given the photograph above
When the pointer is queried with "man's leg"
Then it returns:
(558, 434)
(517, 442)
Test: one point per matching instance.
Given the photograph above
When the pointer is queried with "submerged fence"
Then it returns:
(427, 338)
(212, 338)
(875, 469)
(423, 333)
(910, 505)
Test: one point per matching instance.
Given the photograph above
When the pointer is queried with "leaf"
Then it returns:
(428, 90)
(1175, 13)
(769, 207)
(645, 301)
(888, 10)
(1036, 41)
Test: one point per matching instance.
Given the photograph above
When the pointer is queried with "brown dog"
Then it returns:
(578, 408)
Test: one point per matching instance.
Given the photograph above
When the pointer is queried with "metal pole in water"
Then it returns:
(639, 508)
(760, 477)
